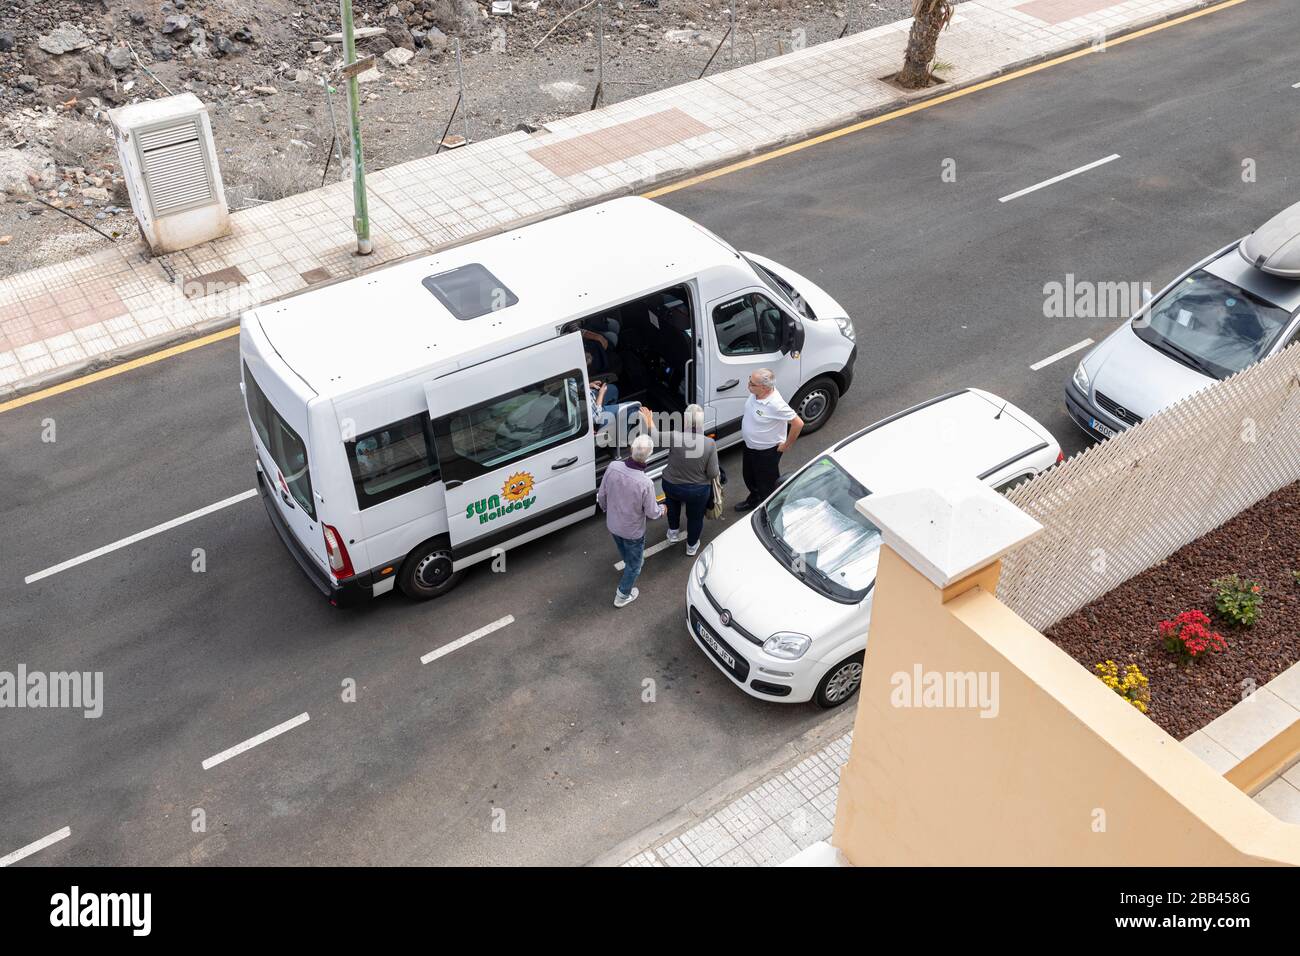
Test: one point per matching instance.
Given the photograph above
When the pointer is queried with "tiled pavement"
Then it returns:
(61, 319)
(766, 826)
(1229, 738)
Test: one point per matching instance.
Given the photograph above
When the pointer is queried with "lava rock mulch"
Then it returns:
(1261, 544)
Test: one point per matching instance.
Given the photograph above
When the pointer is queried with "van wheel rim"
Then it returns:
(813, 405)
(433, 570)
(844, 682)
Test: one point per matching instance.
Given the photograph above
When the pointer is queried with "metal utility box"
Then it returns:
(169, 162)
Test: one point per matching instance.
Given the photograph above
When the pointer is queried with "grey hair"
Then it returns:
(642, 448)
(693, 418)
(765, 378)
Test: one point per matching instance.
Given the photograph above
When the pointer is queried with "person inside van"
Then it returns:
(608, 413)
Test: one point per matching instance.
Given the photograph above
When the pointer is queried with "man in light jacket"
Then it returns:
(627, 496)
(769, 427)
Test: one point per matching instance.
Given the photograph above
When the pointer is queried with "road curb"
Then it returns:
(101, 362)
(738, 784)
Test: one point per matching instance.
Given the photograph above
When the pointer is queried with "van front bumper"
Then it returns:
(355, 590)
(847, 373)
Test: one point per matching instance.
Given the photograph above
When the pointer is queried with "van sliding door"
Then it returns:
(515, 445)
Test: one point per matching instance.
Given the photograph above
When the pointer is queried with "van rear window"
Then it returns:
(281, 443)
(470, 291)
(391, 461)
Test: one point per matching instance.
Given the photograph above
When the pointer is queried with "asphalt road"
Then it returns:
(543, 721)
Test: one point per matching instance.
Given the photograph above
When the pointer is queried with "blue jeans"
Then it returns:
(633, 552)
(696, 500)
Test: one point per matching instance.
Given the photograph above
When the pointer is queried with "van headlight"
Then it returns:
(1081, 379)
(702, 563)
(787, 645)
(845, 325)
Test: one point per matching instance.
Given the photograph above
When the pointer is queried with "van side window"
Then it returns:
(281, 443)
(391, 461)
(748, 325)
(515, 424)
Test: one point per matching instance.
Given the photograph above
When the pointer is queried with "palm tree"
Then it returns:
(929, 17)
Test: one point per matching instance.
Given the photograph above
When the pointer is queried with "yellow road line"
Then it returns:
(683, 184)
(119, 369)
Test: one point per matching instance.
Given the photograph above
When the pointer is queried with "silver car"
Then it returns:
(1227, 312)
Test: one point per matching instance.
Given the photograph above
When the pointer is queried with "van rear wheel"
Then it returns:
(427, 573)
(815, 403)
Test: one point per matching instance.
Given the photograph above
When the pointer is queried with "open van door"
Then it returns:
(515, 445)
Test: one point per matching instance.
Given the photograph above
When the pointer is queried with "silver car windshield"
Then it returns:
(1211, 325)
(821, 532)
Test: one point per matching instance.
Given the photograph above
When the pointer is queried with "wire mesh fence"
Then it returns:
(1128, 503)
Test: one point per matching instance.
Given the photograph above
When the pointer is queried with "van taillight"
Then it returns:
(340, 563)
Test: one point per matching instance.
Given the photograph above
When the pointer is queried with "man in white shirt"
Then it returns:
(769, 427)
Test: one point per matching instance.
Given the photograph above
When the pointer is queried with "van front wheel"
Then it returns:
(427, 573)
(815, 403)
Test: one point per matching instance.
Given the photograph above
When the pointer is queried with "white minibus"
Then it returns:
(413, 421)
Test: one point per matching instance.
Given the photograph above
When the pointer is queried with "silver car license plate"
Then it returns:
(1103, 429)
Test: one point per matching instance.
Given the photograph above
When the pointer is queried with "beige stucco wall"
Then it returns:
(1065, 773)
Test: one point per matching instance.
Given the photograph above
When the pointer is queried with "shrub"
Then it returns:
(1237, 599)
(1131, 685)
(1189, 636)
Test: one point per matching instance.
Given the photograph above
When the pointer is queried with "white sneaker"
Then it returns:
(674, 536)
(621, 601)
(692, 549)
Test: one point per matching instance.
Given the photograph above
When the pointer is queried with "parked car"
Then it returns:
(1225, 313)
(781, 601)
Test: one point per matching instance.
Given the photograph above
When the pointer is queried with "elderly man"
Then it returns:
(769, 427)
(627, 496)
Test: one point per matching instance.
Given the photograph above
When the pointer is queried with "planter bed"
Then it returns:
(1263, 544)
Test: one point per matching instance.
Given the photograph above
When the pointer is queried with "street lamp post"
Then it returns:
(361, 213)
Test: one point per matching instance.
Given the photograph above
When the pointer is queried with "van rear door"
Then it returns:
(515, 444)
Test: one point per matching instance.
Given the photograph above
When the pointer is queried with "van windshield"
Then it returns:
(281, 443)
(812, 526)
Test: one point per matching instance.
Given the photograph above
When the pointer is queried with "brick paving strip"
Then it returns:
(63, 320)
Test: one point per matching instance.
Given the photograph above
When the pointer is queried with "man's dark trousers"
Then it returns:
(761, 470)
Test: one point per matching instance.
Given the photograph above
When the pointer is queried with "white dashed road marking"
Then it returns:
(1060, 355)
(252, 742)
(1057, 179)
(36, 847)
(653, 549)
(467, 639)
(140, 536)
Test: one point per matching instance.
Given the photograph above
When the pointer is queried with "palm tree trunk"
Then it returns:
(921, 43)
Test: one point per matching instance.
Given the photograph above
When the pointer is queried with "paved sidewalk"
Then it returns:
(63, 319)
(768, 825)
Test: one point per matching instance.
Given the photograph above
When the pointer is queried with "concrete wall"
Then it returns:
(1065, 773)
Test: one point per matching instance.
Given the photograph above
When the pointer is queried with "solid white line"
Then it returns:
(36, 847)
(252, 742)
(653, 549)
(470, 638)
(1060, 355)
(140, 536)
(1057, 179)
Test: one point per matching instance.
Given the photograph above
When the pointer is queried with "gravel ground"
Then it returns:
(1263, 544)
(274, 144)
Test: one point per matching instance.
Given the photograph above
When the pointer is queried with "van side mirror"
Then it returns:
(792, 335)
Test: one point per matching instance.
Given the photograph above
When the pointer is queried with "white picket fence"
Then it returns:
(1128, 503)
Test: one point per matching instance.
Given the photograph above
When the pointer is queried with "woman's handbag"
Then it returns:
(714, 509)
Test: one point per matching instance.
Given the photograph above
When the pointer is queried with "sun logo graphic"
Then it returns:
(518, 486)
